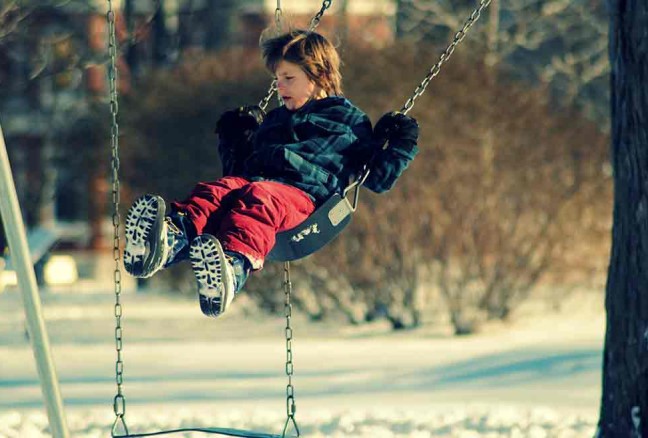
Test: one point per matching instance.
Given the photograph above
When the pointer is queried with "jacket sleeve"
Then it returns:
(361, 154)
(389, 163)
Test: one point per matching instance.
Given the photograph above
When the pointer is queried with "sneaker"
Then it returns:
(215, 275)
(147, 247)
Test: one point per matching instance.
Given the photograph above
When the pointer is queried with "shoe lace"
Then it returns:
(172, 226)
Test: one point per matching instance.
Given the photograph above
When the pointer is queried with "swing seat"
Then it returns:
(314, 233)
(207, 430)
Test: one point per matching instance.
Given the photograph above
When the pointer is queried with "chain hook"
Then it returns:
(119, 423)
(289, 421)
(119, 406)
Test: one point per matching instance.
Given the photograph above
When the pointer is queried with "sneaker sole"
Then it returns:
(207, 259)
(144, 223)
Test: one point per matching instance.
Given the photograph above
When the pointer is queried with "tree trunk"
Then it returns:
(160, 36)
(220, 20)
(131, 56)
(624, 403)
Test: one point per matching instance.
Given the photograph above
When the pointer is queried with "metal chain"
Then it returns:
(278, 17)
(119, 402)
(291, 407)
(263, 104)
(459, 36)
(315, 21)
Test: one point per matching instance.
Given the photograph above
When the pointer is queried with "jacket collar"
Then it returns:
(318, 104)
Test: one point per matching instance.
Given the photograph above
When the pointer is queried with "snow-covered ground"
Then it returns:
(538, 376)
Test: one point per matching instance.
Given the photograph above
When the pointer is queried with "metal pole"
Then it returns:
(21, 260)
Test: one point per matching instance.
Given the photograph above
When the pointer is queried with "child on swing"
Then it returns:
(277, 168)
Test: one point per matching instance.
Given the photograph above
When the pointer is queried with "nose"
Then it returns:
(280, 84)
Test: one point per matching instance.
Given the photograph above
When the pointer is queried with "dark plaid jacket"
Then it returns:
(317, 149)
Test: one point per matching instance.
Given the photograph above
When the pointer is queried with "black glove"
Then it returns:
(396, 127)
(239, 124)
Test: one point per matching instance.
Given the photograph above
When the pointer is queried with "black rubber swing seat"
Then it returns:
(208, 430)
(314, 233)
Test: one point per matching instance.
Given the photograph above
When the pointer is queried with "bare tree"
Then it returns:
(500, 215)
(560, 42)
(40, 79)
(624, 403)
(52, 76)
(9, 19)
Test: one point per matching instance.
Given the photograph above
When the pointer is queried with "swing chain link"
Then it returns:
(315, 21)
(263, 104)
(459, 36)
(119, 402)
(291, 407)
(278, 17)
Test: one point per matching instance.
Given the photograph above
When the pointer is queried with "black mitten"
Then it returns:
(240, 123)
(397, 128)
(395, 137)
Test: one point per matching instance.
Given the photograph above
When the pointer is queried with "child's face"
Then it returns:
(295, 87)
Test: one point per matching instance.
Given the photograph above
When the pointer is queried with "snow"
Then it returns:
(536, 376)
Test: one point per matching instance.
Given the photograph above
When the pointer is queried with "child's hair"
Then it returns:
(316, 56)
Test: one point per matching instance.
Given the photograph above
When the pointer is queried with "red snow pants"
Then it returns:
(245, 215)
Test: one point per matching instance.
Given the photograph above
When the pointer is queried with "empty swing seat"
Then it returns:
(206, 430)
